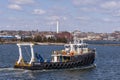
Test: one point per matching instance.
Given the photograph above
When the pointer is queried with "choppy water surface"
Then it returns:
(107, 62)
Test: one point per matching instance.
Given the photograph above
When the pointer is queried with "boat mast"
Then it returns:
(75, 38)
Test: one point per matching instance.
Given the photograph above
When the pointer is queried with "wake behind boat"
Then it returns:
(75, 55)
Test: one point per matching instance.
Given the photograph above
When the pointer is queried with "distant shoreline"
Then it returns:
(36, 43)
(48, 43)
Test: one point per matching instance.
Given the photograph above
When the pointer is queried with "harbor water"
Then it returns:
(107, 64)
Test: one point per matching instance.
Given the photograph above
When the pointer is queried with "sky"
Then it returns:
(84, 15)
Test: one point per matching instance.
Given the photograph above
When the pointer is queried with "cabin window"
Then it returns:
(85, 46)
(67, 46)
(75, 46)
(80, 47)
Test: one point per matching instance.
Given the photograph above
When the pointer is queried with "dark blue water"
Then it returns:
(107, 62)
(102, 42)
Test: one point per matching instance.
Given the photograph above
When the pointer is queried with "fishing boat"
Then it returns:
(75, 55)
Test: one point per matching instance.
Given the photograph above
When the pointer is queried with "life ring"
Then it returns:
(79, 63)
(54, 65)
(75, 64)
(60, 65)
(45, 65)
(64, 52)
(71, 53)
(48, 66)
(69, 65)
(65, 65)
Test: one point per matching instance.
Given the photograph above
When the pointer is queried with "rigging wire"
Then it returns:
(27, 51)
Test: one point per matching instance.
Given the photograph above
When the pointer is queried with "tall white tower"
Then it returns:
(57, 26)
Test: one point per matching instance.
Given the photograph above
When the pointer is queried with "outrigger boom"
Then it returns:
(20, 61)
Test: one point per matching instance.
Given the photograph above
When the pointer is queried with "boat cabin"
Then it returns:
(78, 49)
(71, 49)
